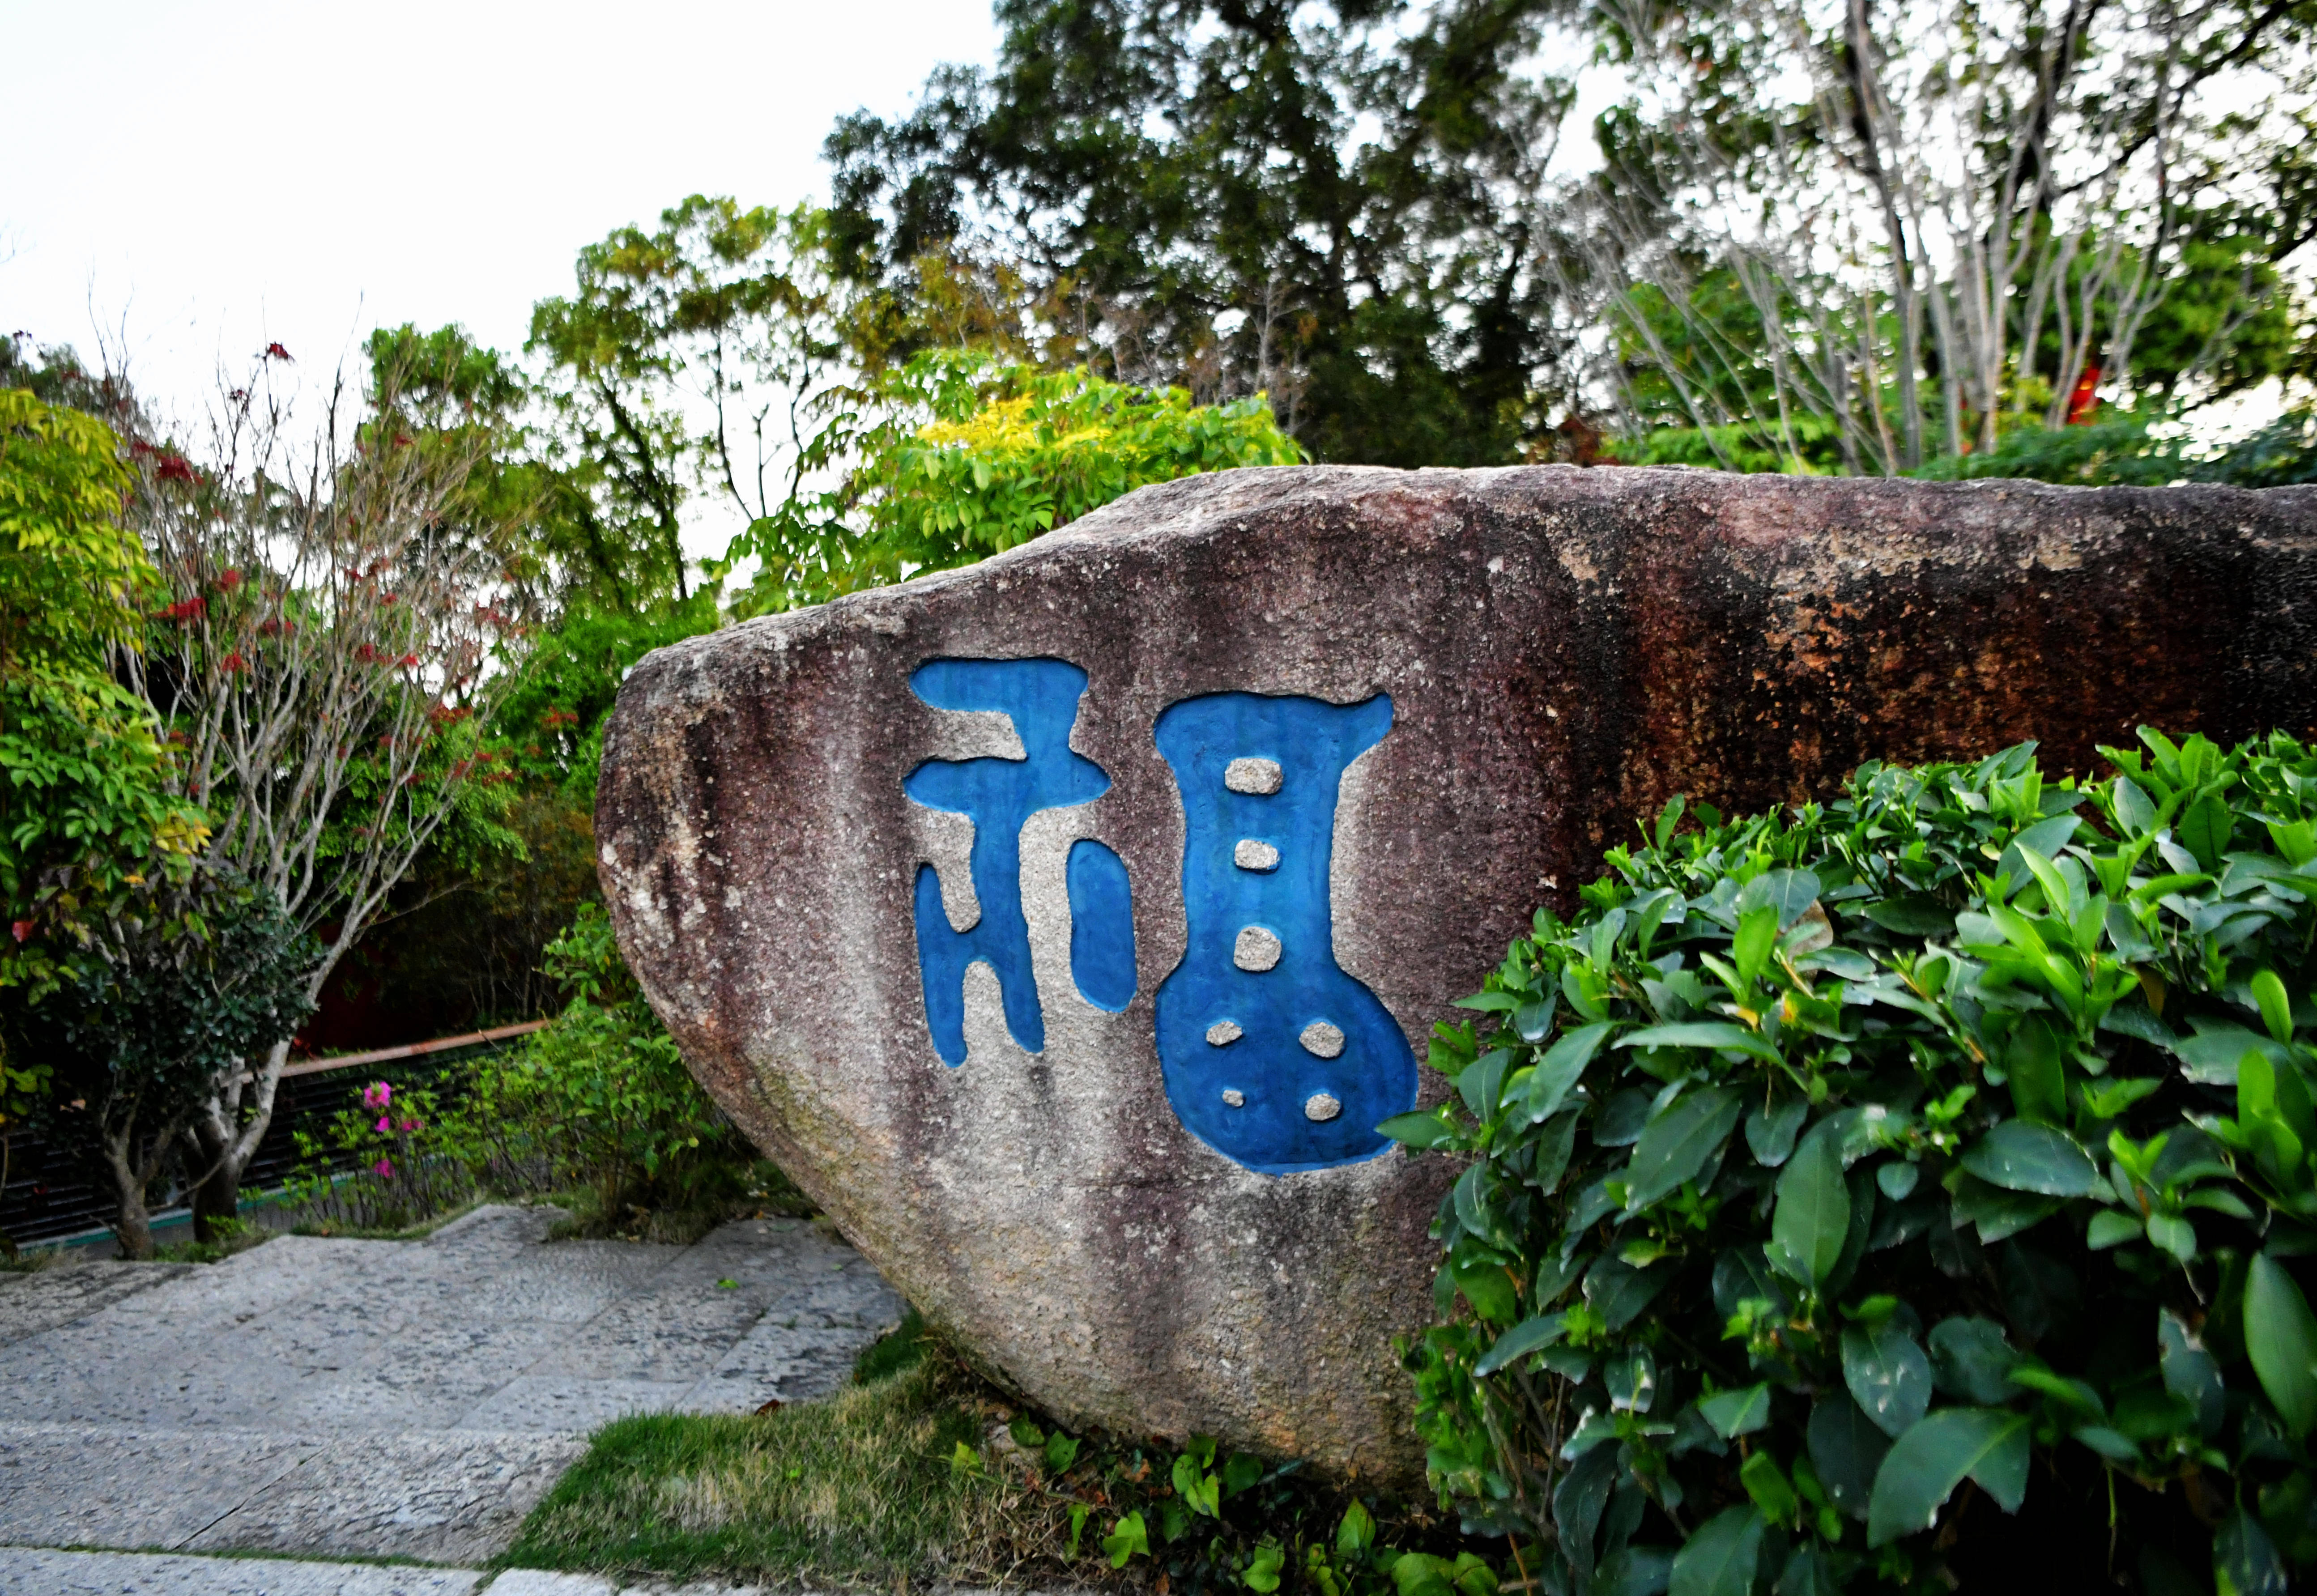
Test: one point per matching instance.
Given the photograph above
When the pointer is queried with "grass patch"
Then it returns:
(857, 1489)
(684, 1210)
(920, 1472)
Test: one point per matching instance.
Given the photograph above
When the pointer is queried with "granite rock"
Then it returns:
(978, 953)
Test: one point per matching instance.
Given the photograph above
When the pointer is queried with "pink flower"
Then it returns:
(410, 1124)
(384, 1166)
(376, 1095)
(384, 1123)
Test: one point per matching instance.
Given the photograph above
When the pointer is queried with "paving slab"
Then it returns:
(37, 1571)
(42, 1299)
(408, 1399)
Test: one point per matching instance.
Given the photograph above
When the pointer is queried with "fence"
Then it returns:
(50, 1198)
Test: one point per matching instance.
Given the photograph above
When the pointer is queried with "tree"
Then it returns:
(957, 456)
(1860, 237)
(185, 984)
(87, 814)
(334, 606)
(726, 312)
(1340, 205)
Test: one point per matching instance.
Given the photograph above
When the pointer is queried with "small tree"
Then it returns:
(87, 815)
(181, 986)
(335, 609)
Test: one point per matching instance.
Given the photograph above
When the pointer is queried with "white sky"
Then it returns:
(215, 176)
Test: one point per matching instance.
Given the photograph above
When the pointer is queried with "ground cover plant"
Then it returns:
(1910, 1190)
(920, 1470)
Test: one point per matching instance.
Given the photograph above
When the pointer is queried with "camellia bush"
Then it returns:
(1912, 1191)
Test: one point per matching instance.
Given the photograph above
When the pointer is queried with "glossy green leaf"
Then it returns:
(1734, 1413)
(1770, 1132)
(1790, 892)
(1987, 1445)
(1618, 1292)
(1423, 1128)
(1697, 1033)
(2281, 1339)
(1531, 1334)
(1971, 1359)
(1675, 1145)
(2245, 1561)
(1888, 1375)
(1847, 1451)
(2134, 810)
(1811, 1221)
(1766, 1483)
(2205, 829)
(2020, 1156)
(1719, 1559)
(1561, 1066)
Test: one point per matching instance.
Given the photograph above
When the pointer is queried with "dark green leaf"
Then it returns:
(2281, 1339)
(1488, 1288)
(1912, 916)
(1559, 1070)
(1618, 1292)
(1622, 1118)
(1999, 1212)
(1719, 1560)
(1480, 1083)
(1888, 1375)
(1675, 1145)
(2191, 1372)
(2245, 1561)
(1969, 1359)
(2019, 1156)
(1846, 1450)
(1989, 1445)
(2135, 811)
(1532, 1021)
(1734, 1413)
(1554, 1144)
(1579, 1500)
(1770, 1132)
(1634, 1571)
(1542, 1330)
(1811, 1222)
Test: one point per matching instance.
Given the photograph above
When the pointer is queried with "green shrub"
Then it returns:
(600, 1099)
(1946, 1145)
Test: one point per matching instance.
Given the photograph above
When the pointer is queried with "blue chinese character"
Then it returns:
(1272, 1055)
(1041, 696)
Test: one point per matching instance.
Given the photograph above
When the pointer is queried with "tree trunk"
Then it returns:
(229, 1141)
(219, 1197)
(133, 1223)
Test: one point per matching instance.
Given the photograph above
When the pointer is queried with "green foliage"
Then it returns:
(86, 811)
(963, 456)
(1338, 204)
(181, 985)
(550, 718)
(1960, 1129)
(600, 1098)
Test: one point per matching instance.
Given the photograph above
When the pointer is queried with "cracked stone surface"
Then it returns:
(392, 1398)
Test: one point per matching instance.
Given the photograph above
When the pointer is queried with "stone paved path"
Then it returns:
(414, 1399)
(28, 1571)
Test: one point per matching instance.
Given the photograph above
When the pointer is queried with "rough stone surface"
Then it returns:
(1563, 651)
(394, 1398)
(31, 1571)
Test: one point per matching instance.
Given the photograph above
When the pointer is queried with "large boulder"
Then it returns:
(1065, 925)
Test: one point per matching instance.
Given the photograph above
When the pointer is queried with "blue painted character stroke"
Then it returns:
(1041, 696)
(1272, 1054)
